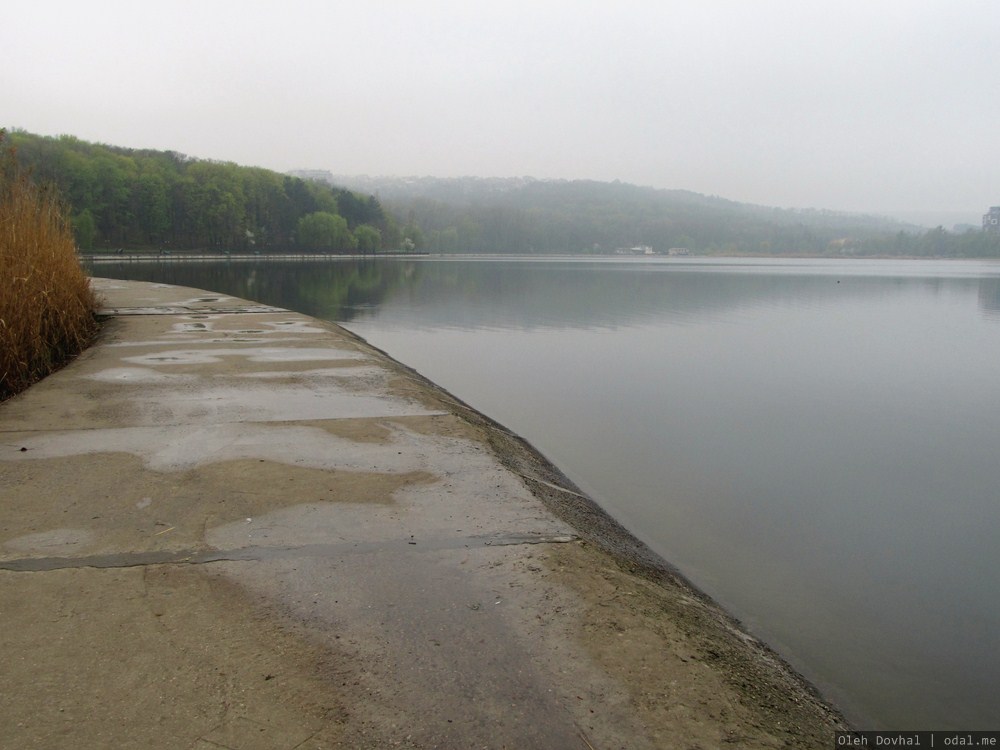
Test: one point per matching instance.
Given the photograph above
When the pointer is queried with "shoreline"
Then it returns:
(98, 259)
(596, 526)
(421, 523)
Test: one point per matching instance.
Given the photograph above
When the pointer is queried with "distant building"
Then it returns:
(991, 220)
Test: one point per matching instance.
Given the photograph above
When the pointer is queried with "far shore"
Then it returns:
(102, 257)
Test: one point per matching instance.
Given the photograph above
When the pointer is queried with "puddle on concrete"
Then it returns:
(473, 495)
(137, 375)
(294, 326)
(156, 308)
(428, 525)
(198, 327)
(193, 339)
(460, 490)
(200, 300)
(253, 354)
(138, 310)
(224, 305)
(274, 402)
(185, 446)
(345, 372)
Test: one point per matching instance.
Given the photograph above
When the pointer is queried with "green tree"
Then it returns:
(367, 238)
(325, 231)
(85, 229)
(302, 199)
(413, 237)
(449, 240)
(358, 209)
(146, 197)
(392, 236)
(115, 175)
(152, 207)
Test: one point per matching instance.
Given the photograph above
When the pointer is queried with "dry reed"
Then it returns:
(46, 303)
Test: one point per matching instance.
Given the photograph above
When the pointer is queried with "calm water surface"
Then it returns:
(813, 443)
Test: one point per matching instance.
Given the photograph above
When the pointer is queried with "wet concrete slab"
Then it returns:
(181, 383)
(273, 500)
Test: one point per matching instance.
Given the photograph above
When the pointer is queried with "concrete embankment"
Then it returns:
(228, 525)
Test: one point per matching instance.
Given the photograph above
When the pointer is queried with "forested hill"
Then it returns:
(472, 214)
(166, 201)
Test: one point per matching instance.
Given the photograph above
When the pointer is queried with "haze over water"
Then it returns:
(811, 442)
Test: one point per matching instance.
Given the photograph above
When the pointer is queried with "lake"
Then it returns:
(814, 443)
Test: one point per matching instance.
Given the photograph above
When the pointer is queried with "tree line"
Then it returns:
(166, 201)
(524, 215)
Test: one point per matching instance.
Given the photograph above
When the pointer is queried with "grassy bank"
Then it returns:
(46, 304)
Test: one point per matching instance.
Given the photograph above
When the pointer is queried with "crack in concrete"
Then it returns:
(259, 553)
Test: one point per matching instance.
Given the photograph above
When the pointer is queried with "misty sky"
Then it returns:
(876, 105)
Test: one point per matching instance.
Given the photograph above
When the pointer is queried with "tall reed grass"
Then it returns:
(46, 303)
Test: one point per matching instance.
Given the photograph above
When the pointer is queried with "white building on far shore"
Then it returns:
(991, 220)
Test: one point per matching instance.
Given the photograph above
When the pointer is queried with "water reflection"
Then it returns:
(328, 290)
(558, 294)
(989, 296)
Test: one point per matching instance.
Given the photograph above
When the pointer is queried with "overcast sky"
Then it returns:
(871, 105)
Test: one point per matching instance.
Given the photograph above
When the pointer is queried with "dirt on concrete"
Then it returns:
(228, 526)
